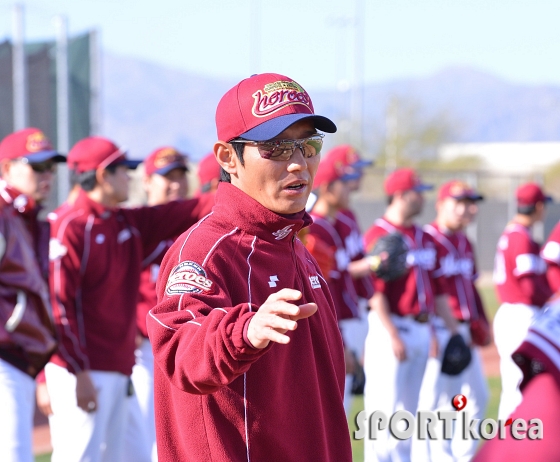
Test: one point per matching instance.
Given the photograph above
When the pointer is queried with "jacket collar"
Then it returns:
(242, 211)
(83, 202)
(20, 202)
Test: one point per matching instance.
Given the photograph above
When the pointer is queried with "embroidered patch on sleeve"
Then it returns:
(188, 277)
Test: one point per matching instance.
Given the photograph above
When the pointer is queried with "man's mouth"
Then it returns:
(296, 186)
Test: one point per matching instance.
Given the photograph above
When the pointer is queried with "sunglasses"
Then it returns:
(39, 167)
(284, 149)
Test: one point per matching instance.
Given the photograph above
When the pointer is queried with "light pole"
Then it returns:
(19, 69)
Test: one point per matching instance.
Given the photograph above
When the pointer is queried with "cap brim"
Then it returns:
(272, 128)
(45, 155)
(362, 163)
(350, 176)
(128, 163)
(548, 199)
(423, 187)
(173, 165)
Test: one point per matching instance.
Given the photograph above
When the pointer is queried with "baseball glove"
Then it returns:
(456, 357)
(387, 259)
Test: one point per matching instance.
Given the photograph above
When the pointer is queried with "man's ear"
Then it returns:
(226, 157)
(5, 166)
(101, 175)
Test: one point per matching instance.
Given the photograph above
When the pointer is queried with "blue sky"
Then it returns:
(312, 40)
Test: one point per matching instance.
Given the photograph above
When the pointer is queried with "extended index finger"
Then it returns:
(284, 295)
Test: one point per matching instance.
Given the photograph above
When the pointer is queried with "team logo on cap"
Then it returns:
(37, 142)
(278, 95)
(187, 278)
(166, 156)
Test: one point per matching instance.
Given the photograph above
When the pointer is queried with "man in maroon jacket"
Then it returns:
(249, 355)
(27, 338)
(96, 255)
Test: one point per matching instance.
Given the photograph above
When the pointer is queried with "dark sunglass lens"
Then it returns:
(42, 167)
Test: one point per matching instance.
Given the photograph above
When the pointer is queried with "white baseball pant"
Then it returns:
(81, 436)
(140, 442)
(393, 385)
(17, 395)
(437, 392)
(511, 324)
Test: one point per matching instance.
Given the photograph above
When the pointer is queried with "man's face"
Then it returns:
(457, 214)
(339, 193)
(413, 202)
(280, 186)
(165, 188)
(33, 180)
(117, 183)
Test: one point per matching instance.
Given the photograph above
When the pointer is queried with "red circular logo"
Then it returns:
(459, 402)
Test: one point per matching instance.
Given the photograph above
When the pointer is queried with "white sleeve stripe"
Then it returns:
(221, 309)
(528, 263)
(194, 322)
(154, 254)
(551, 252)
(60, 307)
(192, 314)
(231, 233)
(160, 323)
(189, 235)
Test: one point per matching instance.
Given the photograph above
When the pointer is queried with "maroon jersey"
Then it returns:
(413, 293)
(551, 255)
(216, 397)
(340, 282)
(96, 256)
(348, 229)
(456, 265)
(519, 271)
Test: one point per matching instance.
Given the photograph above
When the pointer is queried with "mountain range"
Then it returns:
(146, 105)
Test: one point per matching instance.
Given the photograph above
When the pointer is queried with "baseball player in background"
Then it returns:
(551, 255)
(539, 360)
(96, 253)
(456, 208)
(208, 175)
(398, 340)
(250, 364)
(522, 288)
(165, 180)
(334, 224)
(27, 336)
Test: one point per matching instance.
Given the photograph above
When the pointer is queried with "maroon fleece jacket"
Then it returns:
(216, 397)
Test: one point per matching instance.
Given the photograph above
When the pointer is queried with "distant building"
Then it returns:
(506, 158)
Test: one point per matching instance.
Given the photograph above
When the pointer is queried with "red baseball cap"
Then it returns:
(340, 163)
(165, 159)
(530, 194)
(208, 169)
(263, 106)
(404, 179)
(31, 144)
(458, 190)
(96, 152)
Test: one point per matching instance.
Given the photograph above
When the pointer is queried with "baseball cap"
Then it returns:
(208, 169)
(530, 194)
(458, 190)
(31, 144)
(338, 164)
(165, 159)
(263, 106)
(96, 152)
(350, 156)
(404, 179)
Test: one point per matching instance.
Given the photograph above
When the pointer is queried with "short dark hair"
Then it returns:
(238, 148)
(526, 209)
(390, 199)
(87, 179)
